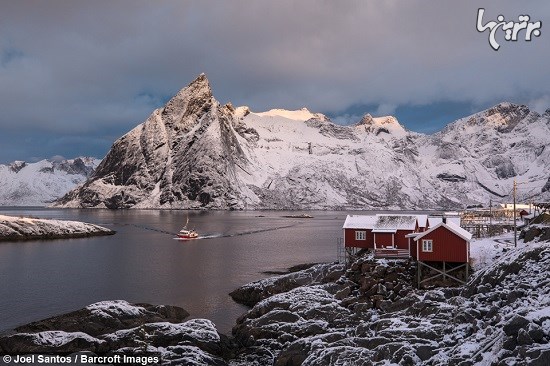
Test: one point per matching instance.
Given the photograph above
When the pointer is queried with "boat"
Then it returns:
(186, 233)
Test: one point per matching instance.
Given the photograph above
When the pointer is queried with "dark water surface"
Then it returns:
(143, 263)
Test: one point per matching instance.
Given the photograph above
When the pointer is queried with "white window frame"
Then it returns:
(427, 245)
(360, 235)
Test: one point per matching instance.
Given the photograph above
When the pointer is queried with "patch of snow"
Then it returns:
(297, 115)
(56, 338)
(115, 308)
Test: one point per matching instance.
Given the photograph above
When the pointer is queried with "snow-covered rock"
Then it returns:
(117, 327)
(254, 292)
(26, 228)
(40, 183)
(196, 153)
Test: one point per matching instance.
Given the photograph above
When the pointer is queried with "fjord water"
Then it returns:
(143, 263)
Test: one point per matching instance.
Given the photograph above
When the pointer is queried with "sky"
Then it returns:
(76, 75)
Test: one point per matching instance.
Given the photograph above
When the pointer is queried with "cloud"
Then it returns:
(346, 119)
(540, 105)
(99, 69)
(385, 109)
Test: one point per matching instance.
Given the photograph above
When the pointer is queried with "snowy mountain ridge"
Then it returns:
(196, 153)
(40, 183)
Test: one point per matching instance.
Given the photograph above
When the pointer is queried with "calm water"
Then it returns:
(143, 263)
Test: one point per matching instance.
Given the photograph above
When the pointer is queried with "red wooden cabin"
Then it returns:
(386, 234)
(445, 242)
(358, 231)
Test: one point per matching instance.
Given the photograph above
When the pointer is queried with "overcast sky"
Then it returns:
(76, 75)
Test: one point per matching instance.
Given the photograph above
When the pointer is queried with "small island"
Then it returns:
(26, 228)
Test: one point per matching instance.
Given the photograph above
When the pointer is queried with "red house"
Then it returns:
(445, 242)
(358, 231)
(385, 234)
(443, 249)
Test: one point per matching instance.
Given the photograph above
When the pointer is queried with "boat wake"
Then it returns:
(229, 235)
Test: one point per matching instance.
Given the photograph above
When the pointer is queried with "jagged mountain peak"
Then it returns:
(192, 100)
(366, 120)
(380, 125)
(242, 111)
(502, 117)
(369, 120)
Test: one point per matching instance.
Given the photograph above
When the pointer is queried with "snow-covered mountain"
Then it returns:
(40, 183)
(196, 153)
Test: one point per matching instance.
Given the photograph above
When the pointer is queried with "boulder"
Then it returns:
(107, 317)
(512, 327)
(252, 293)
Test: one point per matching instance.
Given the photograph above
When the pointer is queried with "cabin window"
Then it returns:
(427, 246)
(360, 235)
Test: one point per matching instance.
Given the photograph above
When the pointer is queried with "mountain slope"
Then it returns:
(196, 153)
(36, 184)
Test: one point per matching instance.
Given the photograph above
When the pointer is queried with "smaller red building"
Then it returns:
(445, 242)
(358, 231)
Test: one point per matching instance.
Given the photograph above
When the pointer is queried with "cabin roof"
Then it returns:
(454, 220)
(422, 220)
(433, 221)
(449, 226)
(395, 222)
(359, 222)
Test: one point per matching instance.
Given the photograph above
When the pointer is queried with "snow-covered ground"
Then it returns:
(20, 228)
(485, 251)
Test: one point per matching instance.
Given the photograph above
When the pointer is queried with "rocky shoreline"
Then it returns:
(367, 314)
(26, 228)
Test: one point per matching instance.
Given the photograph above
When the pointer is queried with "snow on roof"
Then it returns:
(454, 220)
(397, 222)
(459, 231)
(422, 220)
(449, 226)
(432, 221)
(359, 222)
(383, 222)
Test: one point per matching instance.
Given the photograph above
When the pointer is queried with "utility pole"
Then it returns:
(515, 224)
(491, 217)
